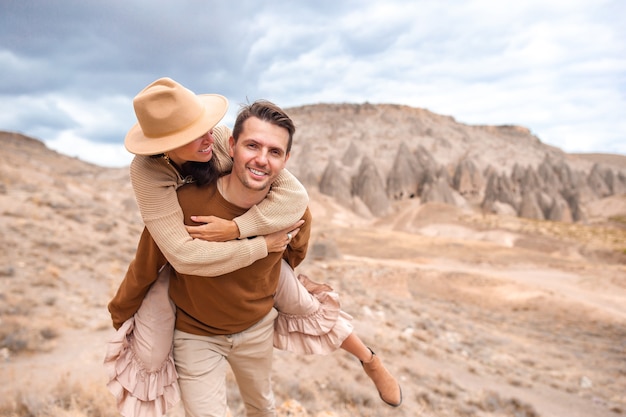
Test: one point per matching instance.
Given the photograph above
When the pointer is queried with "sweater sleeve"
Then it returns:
(284, 205)
(298, 246)
(155, 184)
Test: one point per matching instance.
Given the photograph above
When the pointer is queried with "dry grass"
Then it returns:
(87, 399)
(478, 316)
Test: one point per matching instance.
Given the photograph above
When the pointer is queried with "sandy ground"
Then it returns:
(476, 315)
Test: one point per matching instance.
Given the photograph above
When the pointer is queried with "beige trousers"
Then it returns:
(201, 364)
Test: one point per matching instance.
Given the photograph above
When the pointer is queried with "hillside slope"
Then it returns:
(477, 314)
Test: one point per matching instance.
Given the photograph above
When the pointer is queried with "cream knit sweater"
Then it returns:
(155, 183)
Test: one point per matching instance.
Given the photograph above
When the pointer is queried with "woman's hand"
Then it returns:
(278, 241)
(214, 229)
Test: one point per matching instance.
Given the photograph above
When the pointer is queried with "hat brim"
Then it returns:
(215, 107)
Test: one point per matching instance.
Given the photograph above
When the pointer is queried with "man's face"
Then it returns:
(260, 153)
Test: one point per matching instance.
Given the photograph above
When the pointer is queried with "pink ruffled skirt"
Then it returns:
(139, 362)
(310, 319)
(139, 359)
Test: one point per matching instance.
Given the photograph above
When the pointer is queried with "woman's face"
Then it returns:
(200, 150)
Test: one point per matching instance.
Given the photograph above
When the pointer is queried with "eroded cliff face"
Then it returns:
(416, 154)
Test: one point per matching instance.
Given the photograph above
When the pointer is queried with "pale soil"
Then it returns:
(470, 322)
(476, 315)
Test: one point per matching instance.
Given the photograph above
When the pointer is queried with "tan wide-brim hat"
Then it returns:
(170, 116)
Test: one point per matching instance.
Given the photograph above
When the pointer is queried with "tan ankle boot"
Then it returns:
(387, 386)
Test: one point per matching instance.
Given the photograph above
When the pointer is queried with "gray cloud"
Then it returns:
(69, 68)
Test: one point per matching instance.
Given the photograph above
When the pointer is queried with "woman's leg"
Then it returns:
(387, 386)
(310, 319)
(354, 345)
(293, 298)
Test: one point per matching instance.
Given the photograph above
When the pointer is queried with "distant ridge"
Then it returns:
(370, 155)
(418, 154)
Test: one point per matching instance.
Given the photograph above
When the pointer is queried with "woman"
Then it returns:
(169, 118)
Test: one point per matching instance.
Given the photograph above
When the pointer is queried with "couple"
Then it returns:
(235, 296)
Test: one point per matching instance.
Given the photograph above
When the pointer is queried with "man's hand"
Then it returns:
(214, 229)
(278, 241)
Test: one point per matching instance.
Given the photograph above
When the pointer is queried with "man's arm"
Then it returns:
(298, 246)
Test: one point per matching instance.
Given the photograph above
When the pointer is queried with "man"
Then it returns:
(229, 319)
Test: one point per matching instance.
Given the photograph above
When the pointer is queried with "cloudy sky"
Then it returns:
(69, 69)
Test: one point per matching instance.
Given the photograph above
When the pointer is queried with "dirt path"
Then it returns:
(471, 322)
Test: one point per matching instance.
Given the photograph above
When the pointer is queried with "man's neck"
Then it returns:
(235, 193)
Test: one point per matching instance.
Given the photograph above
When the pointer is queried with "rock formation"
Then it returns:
(368, 186)
(468, 180)
(337, 184)
(384, 154)
(405, 177)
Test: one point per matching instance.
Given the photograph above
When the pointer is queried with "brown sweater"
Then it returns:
(224, 304)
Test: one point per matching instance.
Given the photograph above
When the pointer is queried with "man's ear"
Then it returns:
(287, 156)
(231, 146)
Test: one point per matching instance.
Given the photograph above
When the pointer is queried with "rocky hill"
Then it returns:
(477, 313)
(372, 155)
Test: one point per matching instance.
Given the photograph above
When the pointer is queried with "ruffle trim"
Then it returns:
(138, 391)
(318, 333)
